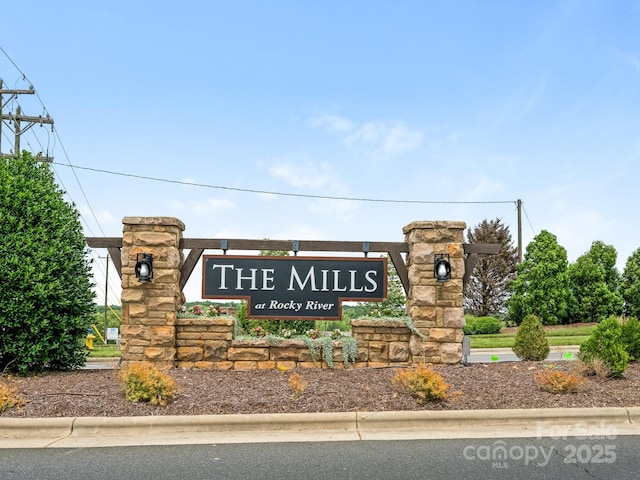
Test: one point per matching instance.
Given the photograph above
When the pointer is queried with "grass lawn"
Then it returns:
(104, 351)
(561, 336)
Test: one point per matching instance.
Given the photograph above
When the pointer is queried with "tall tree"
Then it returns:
(606, 256)
(486, 293)
(46, 296)
(592, 298)
(630, 285)
(541, 286)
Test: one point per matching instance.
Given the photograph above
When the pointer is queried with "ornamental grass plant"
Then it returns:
(9, 397)
(423, 383)
(147, 383)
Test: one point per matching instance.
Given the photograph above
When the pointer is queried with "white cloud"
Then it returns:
(393, 138)
(332, 123)
(485, 186)
(400, 139)
(307, 174)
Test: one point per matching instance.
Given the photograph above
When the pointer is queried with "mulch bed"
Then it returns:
(500, 385)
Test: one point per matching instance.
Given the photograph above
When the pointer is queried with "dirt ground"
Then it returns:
(492, 386)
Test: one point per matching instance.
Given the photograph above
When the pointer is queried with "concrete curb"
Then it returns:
(294, 427)
(525, 423)
(290, 422)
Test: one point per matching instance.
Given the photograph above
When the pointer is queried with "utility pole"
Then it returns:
(16, 119)
(519, 204)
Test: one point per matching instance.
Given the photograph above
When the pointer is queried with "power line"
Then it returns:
(269, 192)
(56, 137)
(23, 76)
(529, 221)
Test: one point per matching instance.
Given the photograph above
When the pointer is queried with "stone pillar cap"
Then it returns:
(167, 221)
(434, 224)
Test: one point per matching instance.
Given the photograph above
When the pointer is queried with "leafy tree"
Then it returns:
(541, 286)
(630, 285)
(592, 298)
(394, 305)
(631, 338)
(606, 256)
(46, 297)
(486, 292)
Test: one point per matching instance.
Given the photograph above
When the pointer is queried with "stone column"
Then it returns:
(149, 310)
(435, 308)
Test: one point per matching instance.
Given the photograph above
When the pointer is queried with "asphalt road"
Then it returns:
(508, 458)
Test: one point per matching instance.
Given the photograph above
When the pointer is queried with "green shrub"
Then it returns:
(46, 297)
(531, 342)
(481, 325)
(145, 383)
(607, 343)
(631, 338)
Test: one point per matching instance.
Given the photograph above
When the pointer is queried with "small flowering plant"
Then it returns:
(259, 331)
(313, 333)
(286, 333)
(336, 334)
(198, 311)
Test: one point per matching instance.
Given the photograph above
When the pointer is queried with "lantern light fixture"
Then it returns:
(144, 267)
(441, 267)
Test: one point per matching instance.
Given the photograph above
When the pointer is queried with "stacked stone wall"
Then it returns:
(208, 343)
(381, 343)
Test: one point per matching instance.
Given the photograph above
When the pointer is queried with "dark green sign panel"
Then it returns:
(294, 288)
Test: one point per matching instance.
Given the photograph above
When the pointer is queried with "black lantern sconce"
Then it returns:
(144, 267)
(441, 267)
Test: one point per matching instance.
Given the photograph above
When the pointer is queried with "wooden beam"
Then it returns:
(287, 245)
(116, 258)
(104, 242)
(401, 269)
(473, 251)
(189, 265)
(393, 249)
(482, 248)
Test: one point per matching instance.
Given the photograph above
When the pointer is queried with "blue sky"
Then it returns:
(413, 101)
